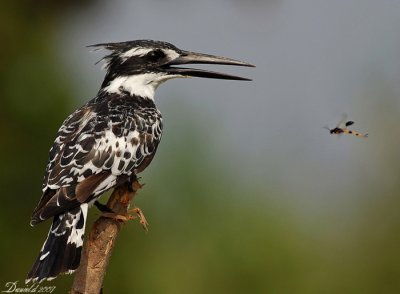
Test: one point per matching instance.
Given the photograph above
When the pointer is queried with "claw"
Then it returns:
(127, 217)
(140, 215)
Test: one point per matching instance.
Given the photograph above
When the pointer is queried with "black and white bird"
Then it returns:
(107, 142)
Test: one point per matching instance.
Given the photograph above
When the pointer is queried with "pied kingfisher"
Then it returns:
(107, 142)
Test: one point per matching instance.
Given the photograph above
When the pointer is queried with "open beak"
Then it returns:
(187, 57)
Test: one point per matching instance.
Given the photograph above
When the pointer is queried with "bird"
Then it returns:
(107, 142)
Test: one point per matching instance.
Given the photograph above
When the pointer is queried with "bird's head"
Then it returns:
(139, 67)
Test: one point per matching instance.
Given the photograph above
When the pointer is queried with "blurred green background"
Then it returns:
(248, 193)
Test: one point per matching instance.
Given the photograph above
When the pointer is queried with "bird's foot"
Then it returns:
(140, 216)
(116, 216)
(128, 216)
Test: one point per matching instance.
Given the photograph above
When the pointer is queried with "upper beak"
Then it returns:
(187, 57)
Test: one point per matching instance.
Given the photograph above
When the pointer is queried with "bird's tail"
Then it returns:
(61, 252)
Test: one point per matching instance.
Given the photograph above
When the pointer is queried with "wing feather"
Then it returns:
(95, 145)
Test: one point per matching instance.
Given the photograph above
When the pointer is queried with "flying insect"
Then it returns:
(342, 128)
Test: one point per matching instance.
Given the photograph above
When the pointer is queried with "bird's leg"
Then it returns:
(133, 186)
(102, 207)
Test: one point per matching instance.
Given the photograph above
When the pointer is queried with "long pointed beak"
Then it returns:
(187, 57)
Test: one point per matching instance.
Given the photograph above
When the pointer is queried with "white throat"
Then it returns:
(143, 85)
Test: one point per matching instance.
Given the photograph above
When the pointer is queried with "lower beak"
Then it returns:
(187, 57)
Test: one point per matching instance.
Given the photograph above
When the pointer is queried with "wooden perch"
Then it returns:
(100, 243)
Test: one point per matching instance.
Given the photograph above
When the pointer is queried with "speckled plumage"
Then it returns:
(101, 144)
(110, 136)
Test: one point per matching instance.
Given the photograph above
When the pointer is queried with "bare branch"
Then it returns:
(98, 248)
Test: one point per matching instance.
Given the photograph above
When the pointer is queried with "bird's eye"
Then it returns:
(155, 55)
